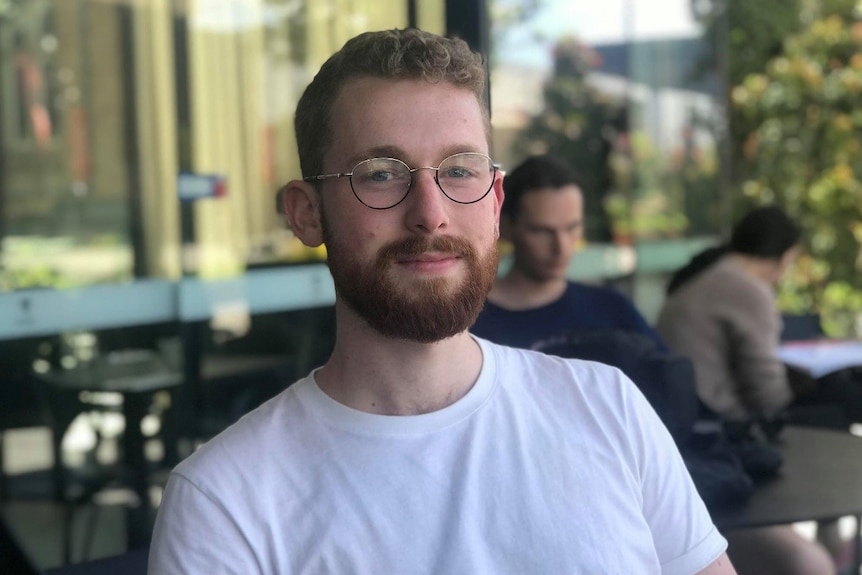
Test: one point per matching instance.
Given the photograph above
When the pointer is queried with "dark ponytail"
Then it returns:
(695, 266)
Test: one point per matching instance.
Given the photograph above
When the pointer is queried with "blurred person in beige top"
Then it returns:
(721, 313)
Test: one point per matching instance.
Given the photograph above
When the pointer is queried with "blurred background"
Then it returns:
(142, 143)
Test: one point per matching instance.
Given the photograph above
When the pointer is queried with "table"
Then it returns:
(821, 479)
(823, 356)
(137, 376)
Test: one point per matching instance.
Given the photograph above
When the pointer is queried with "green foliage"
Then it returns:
(755, 31)
(632, 189)
(580, 125)
(35, 277)
(800, 123)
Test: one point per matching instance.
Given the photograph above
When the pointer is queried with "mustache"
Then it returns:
(414, 246)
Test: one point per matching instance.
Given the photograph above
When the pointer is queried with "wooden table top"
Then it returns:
(821, 479)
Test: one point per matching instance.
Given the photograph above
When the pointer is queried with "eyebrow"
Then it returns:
(401, 154)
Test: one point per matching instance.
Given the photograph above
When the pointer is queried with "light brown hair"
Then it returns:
(390, 54)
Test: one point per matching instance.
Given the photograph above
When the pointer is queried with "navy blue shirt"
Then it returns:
(581, 308)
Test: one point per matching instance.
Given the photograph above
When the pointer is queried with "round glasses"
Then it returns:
(383, 183)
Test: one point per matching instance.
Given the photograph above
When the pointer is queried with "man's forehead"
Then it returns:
(564, 203)
(371, 114)
(569, 194)
(548, 190)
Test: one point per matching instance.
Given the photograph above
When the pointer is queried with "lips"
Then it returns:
(426, 258)
(424, 250)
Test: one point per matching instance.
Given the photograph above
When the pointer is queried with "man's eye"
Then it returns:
(457, 172)
(381, 176)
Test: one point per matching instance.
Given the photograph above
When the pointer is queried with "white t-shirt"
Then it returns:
(546, 465)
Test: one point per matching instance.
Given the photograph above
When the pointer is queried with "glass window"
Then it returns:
(108, 110)
(103, 104)
(619, 90)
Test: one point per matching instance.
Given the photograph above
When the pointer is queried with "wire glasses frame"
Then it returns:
(383, 183)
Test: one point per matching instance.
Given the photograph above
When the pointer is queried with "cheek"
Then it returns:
(354, 226)
(532, 246)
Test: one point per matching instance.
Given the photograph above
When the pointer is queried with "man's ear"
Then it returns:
(300, 203)
(499, 197)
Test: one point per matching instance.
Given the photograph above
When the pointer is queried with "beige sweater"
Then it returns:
(725, 320)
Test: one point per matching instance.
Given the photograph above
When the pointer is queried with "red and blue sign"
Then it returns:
(191, 187)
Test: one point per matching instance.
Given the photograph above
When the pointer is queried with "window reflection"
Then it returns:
(622, 94)
(103, 104)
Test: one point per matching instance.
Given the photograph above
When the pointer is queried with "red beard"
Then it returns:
(431, 309)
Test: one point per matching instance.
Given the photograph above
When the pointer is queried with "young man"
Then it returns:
(535, 303)
(417, 448)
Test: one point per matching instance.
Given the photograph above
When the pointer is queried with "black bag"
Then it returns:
(727, 463)
(718, 474)
(759, 459)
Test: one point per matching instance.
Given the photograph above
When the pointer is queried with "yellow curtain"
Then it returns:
(225, 39)
(157, 134)
(244, 84)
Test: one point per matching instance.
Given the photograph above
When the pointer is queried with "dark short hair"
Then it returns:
(388, 54)
(532, 174)
(766, 232)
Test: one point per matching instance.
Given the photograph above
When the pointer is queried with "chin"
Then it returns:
(441, 281)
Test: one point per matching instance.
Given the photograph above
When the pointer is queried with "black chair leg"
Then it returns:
(857, 551)
(68, 531)
(90, 532)
(4, 486)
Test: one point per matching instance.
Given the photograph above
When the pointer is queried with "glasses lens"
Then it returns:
(380, 182)
(467, 177)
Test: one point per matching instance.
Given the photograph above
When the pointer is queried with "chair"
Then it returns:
(294, 342)
(20, 406)
(35, 402)
(13, 558)
(801, 327)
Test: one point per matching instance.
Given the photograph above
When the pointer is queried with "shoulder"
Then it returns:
(724, 281)
(572, 386)
(736, 285)
(576, 289)
(234, 454)
(594, 296)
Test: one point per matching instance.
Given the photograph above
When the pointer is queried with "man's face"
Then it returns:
(420, 270)
(546, 232)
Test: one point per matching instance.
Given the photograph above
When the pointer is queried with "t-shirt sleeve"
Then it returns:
(684, 536)
(194, 534)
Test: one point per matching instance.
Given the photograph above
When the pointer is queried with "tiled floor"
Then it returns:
(39, 526)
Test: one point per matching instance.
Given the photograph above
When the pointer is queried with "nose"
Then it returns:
(561, 243)
(427, 209)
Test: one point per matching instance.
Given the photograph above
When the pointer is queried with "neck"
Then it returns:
(377, 374)
(517, 291)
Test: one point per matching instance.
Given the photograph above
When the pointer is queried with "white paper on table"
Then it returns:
(819, 357)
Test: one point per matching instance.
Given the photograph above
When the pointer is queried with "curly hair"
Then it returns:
(390, 54)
